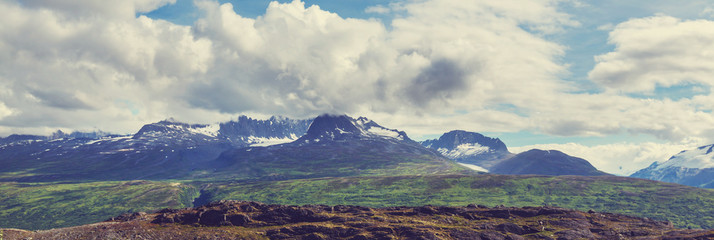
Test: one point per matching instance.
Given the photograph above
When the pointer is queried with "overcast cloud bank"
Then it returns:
(487, 66)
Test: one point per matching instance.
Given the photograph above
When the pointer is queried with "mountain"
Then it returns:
(691, 167)
(166, 149)
(21, 139)
(470, 148)
(254, 220)
(252, 132)
(333, 146)
(344, 128)
(241, 133)
(545, 162)
(76, 134)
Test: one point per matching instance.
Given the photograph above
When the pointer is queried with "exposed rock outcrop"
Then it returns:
(252, 220)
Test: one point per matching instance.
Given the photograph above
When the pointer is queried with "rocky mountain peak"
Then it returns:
(328, 127)
(334, 125)
(470, 148)
(173, 128)
(455, 138)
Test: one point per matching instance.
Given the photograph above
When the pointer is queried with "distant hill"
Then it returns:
(545, 162)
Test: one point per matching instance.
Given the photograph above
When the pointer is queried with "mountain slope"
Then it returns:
(336, 146)
(470, 148)
(162, 150)
(253, 132)
(691, 167)
(541, 162)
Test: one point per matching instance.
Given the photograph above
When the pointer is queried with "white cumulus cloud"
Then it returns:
(487, 66)
(657, 51)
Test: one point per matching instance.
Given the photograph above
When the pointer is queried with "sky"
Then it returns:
(619, 83)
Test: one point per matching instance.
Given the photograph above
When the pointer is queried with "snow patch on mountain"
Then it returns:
(473, 167)
(371, 129)
(208, 130)
(108, 139)
(385, 133)
(702, 157)
(464, 150)
(343, 128)
(264, 142)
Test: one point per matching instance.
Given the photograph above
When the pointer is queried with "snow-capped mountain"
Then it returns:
(336, 145)
(252, 132)
(342, 128)
(691, 167)
(76, 134)
(470, 148)
(243, 132)
(171, 131)
(164, 149)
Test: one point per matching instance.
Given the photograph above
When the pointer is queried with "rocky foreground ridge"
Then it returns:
(253, 220)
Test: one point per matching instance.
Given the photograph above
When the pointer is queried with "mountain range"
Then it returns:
(336, 145)
(162, 150)
(331, 159)
(278, 148)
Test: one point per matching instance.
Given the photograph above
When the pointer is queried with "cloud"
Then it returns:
(5, 111)
(293, 60)
(300, 60)
(708, 12)
(75, 68)
(657, 51)
(60, 100)
(621, 159)
(439, 64)
(438, 81)
(98, 8)
(378, 9)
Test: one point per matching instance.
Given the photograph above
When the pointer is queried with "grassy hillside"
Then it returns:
(684, 206)
(51, 205)
(335, 159)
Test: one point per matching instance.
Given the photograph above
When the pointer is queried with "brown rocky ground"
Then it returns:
(252, 220)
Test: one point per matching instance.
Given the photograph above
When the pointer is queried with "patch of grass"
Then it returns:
(684, 206)
(337, 160)
(50, 205)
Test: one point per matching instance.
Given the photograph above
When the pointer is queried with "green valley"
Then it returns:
(41, 206)
(52, 205)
